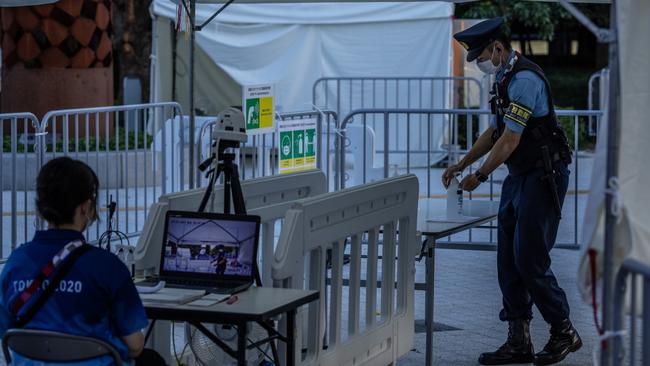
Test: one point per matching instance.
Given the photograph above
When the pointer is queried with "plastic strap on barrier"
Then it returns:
(593, 254)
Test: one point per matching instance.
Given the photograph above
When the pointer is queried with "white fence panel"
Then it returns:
(382, 214)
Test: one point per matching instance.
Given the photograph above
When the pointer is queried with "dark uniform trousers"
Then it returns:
(527, 226)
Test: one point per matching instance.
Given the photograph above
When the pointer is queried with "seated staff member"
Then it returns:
(96, 298)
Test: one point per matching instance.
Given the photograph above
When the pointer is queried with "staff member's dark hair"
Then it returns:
(61, 186)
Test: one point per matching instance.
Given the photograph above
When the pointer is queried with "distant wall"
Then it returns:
(57, 56)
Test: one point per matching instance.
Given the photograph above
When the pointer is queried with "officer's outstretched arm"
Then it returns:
(481, 147)
(501, 151)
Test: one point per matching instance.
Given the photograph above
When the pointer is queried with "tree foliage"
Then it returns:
(534, 17)
(530, 17)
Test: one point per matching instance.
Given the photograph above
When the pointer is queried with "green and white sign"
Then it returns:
(298, 145)
(258, 108)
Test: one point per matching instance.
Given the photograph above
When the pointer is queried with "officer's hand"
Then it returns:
(469, 183)
(450, 173)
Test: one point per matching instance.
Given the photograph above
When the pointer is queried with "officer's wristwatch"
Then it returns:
(480, 176)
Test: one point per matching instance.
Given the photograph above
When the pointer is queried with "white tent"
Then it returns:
(199, 231)
(292, 45)
(632, 235)
(11, 3)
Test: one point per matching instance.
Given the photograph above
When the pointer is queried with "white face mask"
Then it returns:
(487, 66)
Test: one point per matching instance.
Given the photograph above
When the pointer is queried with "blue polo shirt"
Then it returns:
(97, 297)
(527, 89)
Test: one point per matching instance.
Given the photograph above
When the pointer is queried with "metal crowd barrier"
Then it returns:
(136, 148)
(635, 277)
(19, 165)
(138, 152)
(577, 118)
(346, 94)
(597, 101)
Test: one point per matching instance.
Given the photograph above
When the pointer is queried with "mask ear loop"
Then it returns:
(494, 48)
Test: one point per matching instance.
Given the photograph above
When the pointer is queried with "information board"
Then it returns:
(298, 144)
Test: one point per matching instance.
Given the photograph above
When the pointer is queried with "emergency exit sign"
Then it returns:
(297, 142)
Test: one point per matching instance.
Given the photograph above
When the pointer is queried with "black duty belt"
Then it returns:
(555, 157)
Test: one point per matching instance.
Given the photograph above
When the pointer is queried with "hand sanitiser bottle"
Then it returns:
(454, 199)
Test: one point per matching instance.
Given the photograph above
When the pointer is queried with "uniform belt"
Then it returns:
(555, 157)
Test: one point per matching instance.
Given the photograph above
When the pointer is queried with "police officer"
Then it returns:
(525, 135)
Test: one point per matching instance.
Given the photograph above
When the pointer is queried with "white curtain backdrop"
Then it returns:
(292, 45)
(11, 3)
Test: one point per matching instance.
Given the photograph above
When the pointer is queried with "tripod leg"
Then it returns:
(227, 182)
(237, 194)
(208, 190)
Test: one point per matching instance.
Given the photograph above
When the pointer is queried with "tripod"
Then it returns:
(231, 187)
(232, 190)
(231, 184)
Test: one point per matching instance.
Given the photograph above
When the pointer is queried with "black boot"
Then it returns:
(517, 349)
(564, 339)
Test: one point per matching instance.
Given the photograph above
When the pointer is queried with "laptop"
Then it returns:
(209, 251)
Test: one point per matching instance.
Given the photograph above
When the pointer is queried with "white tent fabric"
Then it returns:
(348, 1)
(199, 231)
(633, 232)
(292, 45)
(12, 3)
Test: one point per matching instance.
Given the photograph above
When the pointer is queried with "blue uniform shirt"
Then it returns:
(97, 298)
(528, 89)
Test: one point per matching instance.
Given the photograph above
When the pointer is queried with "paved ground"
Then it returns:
(467, 297)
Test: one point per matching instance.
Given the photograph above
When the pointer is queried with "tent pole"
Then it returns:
(602, 34)
(613, 137)
(192, 113)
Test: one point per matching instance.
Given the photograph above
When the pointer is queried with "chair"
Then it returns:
(48, 346)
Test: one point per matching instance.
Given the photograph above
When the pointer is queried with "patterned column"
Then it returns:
(57, 56)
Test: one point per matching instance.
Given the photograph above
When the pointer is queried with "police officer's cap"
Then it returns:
(477, 37)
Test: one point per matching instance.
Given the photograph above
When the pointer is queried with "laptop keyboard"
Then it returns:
(189, 282)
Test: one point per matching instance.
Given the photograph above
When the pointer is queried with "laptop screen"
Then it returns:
(209, 245)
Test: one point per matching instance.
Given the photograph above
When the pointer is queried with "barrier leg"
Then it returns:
(291, 333)
(160, 340)
(428, 301)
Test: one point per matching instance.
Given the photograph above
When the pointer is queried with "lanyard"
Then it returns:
(46, 271)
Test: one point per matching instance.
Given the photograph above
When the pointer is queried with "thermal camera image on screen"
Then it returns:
(223, 247)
